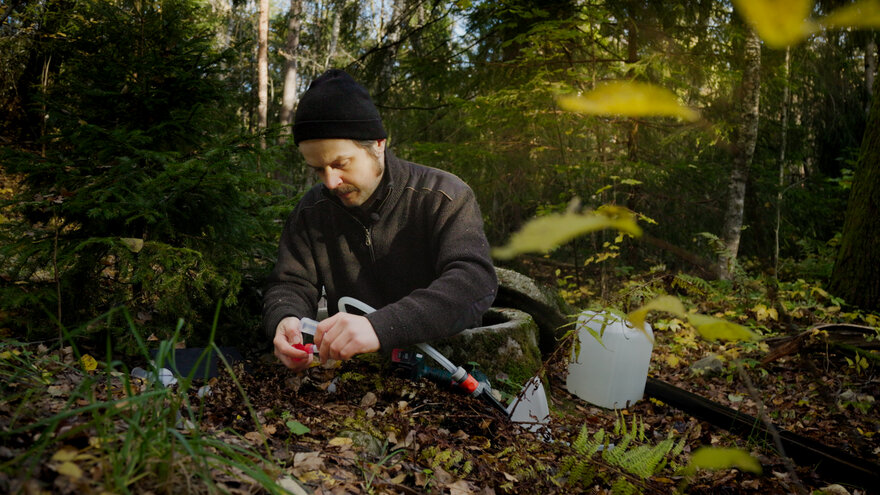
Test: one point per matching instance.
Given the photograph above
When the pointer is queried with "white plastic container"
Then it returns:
(612, 376)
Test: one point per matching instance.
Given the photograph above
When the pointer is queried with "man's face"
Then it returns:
(348, 170)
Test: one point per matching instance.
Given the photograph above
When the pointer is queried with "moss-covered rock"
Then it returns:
(506, 346)
(550, 312)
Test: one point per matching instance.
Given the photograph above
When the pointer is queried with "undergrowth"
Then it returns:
(115, 433)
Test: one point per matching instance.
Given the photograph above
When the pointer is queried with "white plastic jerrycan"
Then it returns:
(612, 376)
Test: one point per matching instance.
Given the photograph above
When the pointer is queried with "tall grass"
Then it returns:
(75, 429)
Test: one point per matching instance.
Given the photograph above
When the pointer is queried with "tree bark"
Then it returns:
(856, 274)
(291, 70)
(263, 71)
(783, 136)
(744, 149)
(870, 69)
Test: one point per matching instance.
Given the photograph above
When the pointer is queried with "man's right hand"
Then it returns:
(287, 334)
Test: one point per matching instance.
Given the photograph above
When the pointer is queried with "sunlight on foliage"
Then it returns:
(713, 458)
(548, 232)
(631, 99)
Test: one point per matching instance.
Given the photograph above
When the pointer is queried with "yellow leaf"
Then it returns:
(65, 453)
(779, 23)
(672, 360)
(712, 328)
(713, 458)
(670, 304)
(88, 362)
(340, 442)
(133, 244)
(545, 233)
(862, 14)
(70, 469)
(630, 99)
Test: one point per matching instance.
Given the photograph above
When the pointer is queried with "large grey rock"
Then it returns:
(507, 344)
(550, 312)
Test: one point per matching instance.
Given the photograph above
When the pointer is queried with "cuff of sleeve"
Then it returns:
(388, 329)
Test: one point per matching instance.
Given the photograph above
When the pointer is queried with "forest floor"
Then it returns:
(69, 424)
(359, 427)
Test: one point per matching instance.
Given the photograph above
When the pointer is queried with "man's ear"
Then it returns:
(380, 145)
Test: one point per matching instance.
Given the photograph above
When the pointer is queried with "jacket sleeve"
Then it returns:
(293, 287)
(464, 288)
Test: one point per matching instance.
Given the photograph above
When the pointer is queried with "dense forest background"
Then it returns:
(145, 160)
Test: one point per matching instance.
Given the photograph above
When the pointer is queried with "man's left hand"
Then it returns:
(343, 335)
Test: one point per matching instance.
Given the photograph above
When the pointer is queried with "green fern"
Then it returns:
(630, 455)
(691, 285)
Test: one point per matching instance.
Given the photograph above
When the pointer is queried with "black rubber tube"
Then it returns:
(830, 462)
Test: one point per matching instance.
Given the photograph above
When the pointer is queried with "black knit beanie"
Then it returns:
(336, 107)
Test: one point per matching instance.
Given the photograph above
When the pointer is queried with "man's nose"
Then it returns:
(332, 178)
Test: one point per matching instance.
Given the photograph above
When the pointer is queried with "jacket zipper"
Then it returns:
(368, 231)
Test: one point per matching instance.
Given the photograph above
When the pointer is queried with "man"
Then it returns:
(404, 238)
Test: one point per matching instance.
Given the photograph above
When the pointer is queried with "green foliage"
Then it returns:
(139, 435)
(451, 460)
(630, 454)
(138, 149)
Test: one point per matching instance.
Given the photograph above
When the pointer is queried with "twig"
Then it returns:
(777, 441)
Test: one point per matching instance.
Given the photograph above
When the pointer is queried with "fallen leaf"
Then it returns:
(254, 436)
(88, 362)
(69, 469)
(132, 243)
(65, 453)
(307, 461)
(340, 442)
(369, 400)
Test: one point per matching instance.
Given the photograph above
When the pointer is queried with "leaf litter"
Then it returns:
(383, 433)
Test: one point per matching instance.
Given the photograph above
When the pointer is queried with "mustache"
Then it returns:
(344, 189)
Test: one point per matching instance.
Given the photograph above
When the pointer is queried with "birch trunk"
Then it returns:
(782, 169)
(263, 71)
(744, 149)
(291, 70)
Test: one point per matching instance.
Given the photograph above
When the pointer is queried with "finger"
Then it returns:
(283, 348)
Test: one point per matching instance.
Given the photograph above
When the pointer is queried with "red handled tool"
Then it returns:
(309, 348)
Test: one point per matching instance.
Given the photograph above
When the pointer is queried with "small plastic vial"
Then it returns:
(308, 325)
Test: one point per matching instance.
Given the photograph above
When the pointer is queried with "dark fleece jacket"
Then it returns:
(419, 255)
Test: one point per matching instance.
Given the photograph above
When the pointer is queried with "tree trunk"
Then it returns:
(334, 39)
(870, 69)
(744, 149)
(263, 71)
(783, 137)
(856, 275)
(291, 74)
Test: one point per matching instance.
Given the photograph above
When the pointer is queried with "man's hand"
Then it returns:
(343, 335)
(286, 335)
